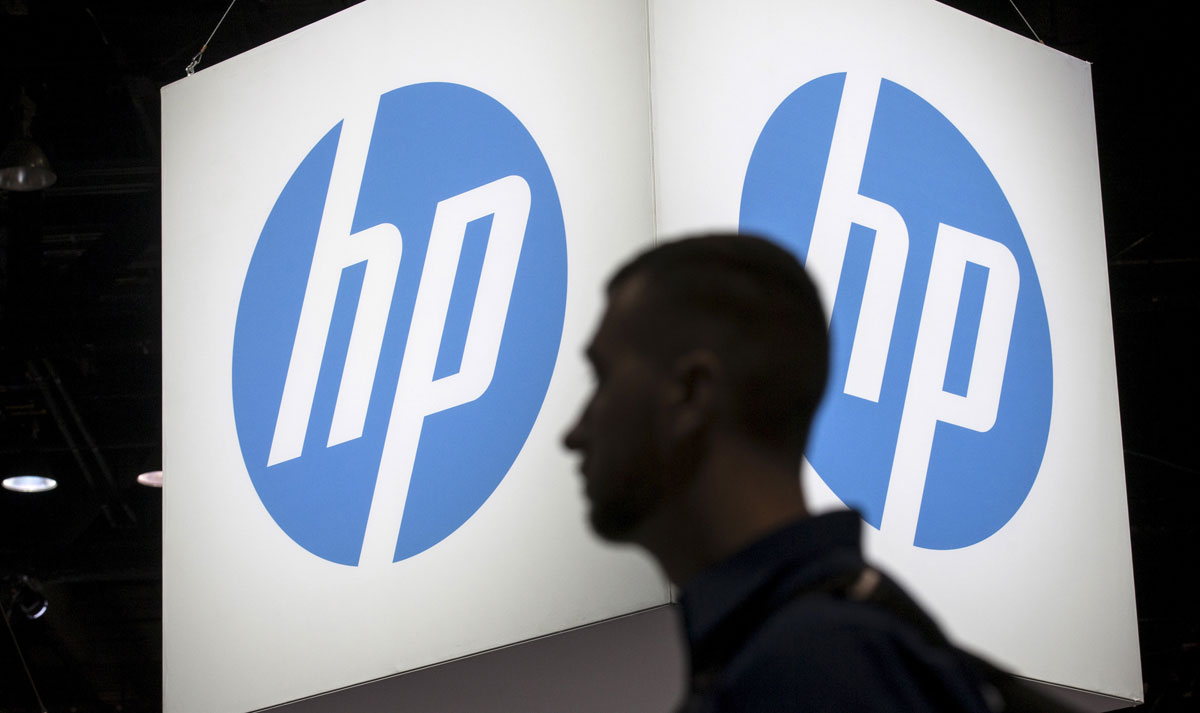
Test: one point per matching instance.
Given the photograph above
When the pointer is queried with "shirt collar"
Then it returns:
(714, 593)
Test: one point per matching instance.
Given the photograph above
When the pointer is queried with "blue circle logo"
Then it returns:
(937, 413)
(399, 323)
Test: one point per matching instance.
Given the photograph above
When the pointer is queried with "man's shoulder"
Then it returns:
(827, 653)
(816, 623)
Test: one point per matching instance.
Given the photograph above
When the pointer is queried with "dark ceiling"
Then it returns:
(80, 346)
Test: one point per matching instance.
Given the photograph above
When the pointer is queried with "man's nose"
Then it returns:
(573, 439)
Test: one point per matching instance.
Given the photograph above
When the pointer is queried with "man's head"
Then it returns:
(704, 340)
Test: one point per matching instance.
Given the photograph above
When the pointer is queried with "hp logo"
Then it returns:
(399, 323)
(938, 409)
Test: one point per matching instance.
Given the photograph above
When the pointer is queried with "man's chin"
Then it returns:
(612, 526)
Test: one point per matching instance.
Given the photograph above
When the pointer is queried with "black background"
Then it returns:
(80, 346)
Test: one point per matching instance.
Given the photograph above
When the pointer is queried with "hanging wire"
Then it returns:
(1019, 13)
(4, 615)
(191, 68)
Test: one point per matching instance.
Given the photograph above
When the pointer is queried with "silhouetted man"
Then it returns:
(710, 361)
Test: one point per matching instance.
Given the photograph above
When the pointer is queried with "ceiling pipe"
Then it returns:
(97, 454)
(56, 413)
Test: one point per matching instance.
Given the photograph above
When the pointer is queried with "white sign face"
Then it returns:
(939, 178)
(384, 243)
(372, 347)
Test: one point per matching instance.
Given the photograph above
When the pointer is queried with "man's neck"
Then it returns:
(739, 494)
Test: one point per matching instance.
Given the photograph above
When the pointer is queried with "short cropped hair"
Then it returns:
(753, 304)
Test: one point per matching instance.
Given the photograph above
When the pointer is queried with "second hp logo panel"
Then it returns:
(938, 407)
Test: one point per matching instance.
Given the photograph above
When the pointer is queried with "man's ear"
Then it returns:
(695, 395)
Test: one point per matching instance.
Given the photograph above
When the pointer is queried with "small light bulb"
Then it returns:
(151, 478)
(30, 483)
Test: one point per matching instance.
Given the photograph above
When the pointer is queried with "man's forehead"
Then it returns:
(626, 304)
(629, 294)
(633, 317)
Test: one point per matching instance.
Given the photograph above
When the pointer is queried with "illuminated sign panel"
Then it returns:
(939, 178)
(385, 241)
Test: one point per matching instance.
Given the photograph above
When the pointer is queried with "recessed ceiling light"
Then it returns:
(30, 483)
(152, 478)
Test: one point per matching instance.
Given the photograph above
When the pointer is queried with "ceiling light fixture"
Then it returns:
(29, 483)
(151, 478)
(28, 597)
